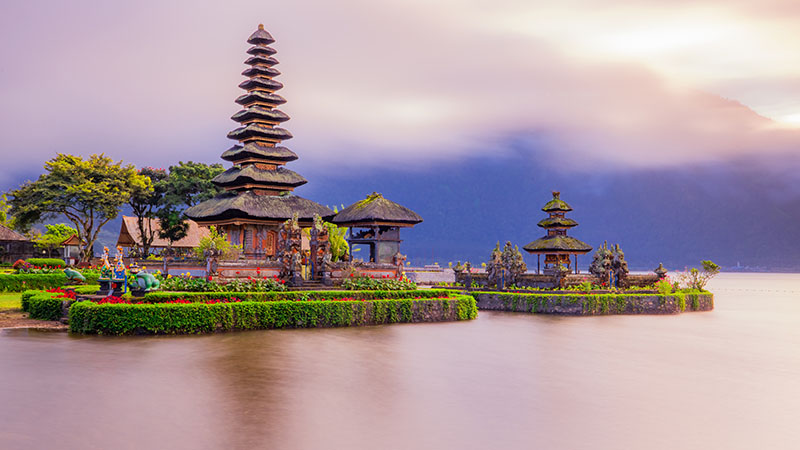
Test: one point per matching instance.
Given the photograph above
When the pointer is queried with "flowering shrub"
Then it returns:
(189, 284)
(359, 283)
(61, 293)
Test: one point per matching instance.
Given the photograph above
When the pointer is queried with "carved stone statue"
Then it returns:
(494, 267)
(399, 261)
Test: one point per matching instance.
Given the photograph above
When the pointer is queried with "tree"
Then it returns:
(88, 192)
(337, 237)
(5, 217)
(218, 244)
(189, 183)
(144, 203)
(697, 279)
(173, 225)
(186, 185)
(54, 237)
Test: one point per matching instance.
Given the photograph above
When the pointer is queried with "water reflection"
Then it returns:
(725, 379)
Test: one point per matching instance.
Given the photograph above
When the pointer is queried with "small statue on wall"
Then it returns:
(399, 261)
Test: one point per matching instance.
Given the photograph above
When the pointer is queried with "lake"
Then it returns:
(726, 379)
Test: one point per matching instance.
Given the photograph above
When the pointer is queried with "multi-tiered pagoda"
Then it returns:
(258, 188)
(556, 246)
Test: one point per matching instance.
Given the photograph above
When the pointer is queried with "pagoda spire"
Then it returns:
(259, 157)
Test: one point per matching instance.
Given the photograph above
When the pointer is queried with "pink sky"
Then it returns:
(602, 84)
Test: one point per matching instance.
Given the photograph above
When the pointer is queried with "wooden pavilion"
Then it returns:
(376, 222)
(14, 246)
(130, 237)
(556, 246)
(258, 188)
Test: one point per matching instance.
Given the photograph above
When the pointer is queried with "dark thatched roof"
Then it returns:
(260, 36)
(261, 50)
(261, 60)
(261, 83)
(550, 244)
(261, 71)
(260, 113)
(554, 222)
(260, 97)
(7, 234)
(248, 205)
(255, 150)
(279, 177)
(374, 209)
(255, 130)
(556, 204)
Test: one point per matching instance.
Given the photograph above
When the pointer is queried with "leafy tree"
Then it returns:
(337, 237)
(173, 225)
(89, 192)
(54, 236)
(144, 203)
(5, 217)
(698, 278)
(189, 183)
(219, 244)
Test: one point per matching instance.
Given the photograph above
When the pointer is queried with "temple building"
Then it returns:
(258, 188)
(376, 222)
(556, 246)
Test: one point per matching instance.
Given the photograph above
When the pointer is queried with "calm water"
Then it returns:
(728, 379)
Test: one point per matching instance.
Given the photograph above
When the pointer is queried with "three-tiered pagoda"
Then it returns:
(258, 188)
(556, 246)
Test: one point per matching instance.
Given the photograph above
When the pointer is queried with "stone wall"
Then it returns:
(591, 304)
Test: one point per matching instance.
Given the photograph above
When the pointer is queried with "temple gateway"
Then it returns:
(258, 188)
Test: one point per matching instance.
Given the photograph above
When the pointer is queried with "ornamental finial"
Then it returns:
(261, 26)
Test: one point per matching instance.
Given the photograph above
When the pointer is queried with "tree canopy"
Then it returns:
(54, 236)
(144, 203)
(89, 192)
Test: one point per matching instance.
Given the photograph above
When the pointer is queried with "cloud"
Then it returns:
(410, 83)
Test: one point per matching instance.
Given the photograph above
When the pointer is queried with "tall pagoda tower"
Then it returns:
(258, 188)
(556, 246)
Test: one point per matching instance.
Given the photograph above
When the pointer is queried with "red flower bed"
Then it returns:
(62, 293)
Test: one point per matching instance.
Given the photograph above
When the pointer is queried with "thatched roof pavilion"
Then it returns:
(556, 245)
(377, 221)
(258, 195)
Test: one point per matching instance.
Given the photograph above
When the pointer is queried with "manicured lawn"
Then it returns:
(10, 300)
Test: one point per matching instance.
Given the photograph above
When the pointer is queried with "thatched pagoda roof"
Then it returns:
(262, 83)
(260, 36)
(260, 97)
(557, 222)
(376, 210)
(558, 243)
(260, 113)
(261, 71)
(258, 131)
(278, 177)
(556, 204)
(261, 50)
(260, 60)
(248, 205)
(256, 150)
(7, 234)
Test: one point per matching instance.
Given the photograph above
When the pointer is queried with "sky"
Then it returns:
(580, 88)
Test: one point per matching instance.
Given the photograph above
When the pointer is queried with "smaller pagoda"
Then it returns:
(556, 246)
(376, 222)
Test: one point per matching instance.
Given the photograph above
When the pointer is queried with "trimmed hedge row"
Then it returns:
(45, 305)
(18, 282)
(596, 304)
(181, 318)
(161, 297)
(47, 262)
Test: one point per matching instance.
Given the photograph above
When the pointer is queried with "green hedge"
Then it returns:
(18, 282)
(161, 297)
(26, 296)
(179, 318)
(42, 305)
(47, 262)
